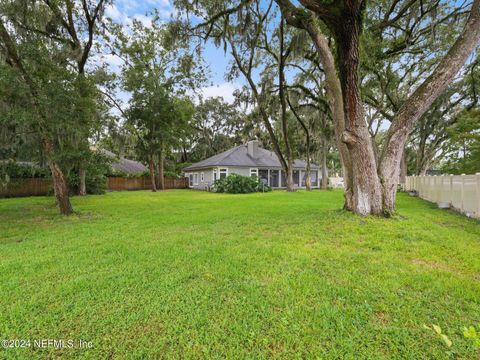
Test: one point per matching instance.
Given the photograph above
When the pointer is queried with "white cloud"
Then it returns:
(159, 2)
(113, 12)
(118, 16)
(145, 20)
(224, 90)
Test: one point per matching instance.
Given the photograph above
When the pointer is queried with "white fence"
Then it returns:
(461, 192)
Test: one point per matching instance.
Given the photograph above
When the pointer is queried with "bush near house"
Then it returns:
(238, 184)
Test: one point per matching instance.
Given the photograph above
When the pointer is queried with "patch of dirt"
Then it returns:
(382, 318)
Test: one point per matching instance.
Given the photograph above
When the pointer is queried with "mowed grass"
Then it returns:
(188, 274)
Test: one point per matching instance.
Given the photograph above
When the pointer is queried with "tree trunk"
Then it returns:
(60, 187)
(283, 115)
(367, 194)
(333, 93)
(289, 172)
(308, 178)
(161, 176)
(82, 189)
(152, 173)
(403, 169)
(324, 183)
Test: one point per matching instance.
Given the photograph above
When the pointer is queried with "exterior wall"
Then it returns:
(208, 177)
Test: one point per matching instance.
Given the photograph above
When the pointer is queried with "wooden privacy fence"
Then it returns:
(143, 183)
(26, 187)
(460, 192)
(38, 186)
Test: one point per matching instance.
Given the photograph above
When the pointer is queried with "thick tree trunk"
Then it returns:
(152, 173)
(82, 188)
(60, 187)
(335, 100)
(367, 194)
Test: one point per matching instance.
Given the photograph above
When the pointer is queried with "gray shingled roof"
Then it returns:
(125, 165)
(238, 156)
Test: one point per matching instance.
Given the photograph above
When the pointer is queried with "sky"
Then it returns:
(123, 11)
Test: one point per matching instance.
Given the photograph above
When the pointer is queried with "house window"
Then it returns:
(274, 178)
(202, 177)
(314, 178)
(253, 172)
(263, 175)
(195, 179)
(214, 175)
(190, 179)
(223, 173)
(296, 177)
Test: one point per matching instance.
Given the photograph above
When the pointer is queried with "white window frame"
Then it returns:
(195, 179)
(190, 179)
(254, 171)
(214, 174)
(222, 170)
(202, 177)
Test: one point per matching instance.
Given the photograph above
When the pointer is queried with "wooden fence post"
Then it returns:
(462, 178)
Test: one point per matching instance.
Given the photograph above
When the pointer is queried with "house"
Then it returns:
(248, 160)
(122, 165)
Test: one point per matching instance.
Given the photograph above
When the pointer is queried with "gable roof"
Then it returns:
(239, 156)
(124, 165)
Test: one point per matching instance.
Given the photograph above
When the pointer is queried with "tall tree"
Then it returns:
(74, 23)
(158, 68)
(27, 56)
(374, 185)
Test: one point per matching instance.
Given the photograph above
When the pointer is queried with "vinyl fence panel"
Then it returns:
(460, 192)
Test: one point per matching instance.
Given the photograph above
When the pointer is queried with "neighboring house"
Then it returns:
(123, 165)
(248, 160)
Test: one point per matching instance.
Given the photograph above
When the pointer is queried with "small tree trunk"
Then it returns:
(308, 178)
(324, 154)
(161, 176)
(60, 187)
(290, 185)
(283, 103)
(152, 173)
(82, 190)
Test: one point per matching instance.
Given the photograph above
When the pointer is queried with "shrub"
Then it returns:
(95, 175)
(238, 184)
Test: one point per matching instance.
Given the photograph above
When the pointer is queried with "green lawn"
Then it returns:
(189, 274)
